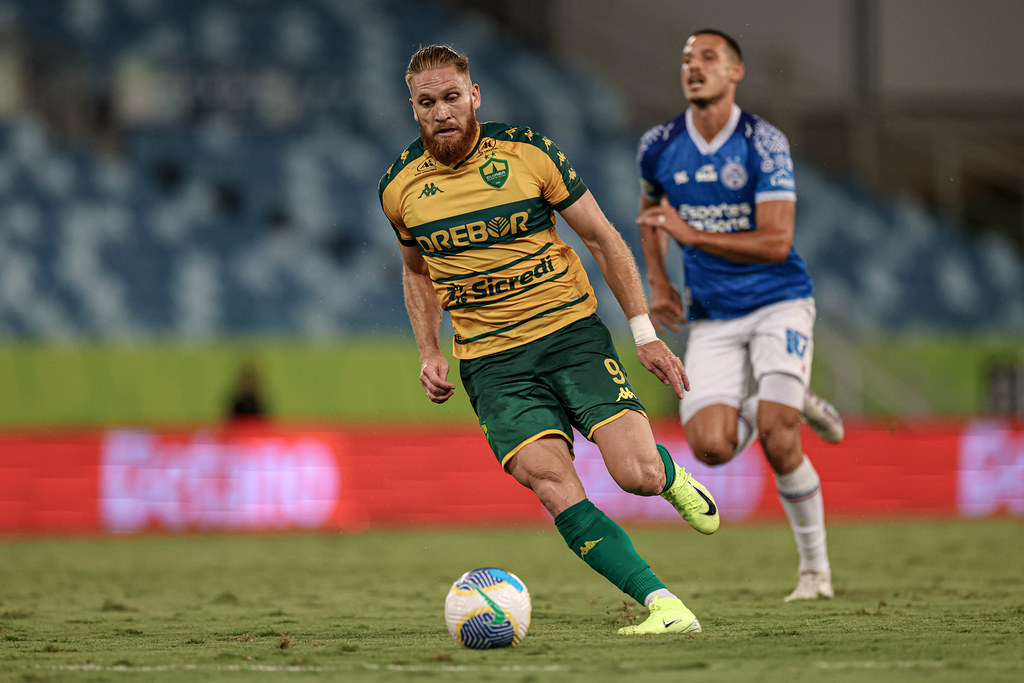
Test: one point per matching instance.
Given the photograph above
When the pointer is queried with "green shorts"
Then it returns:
(570, 378)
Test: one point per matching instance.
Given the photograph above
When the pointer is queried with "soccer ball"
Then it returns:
(487, 608)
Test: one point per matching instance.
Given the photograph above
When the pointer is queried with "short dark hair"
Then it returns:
(436, 57)
(729, 40)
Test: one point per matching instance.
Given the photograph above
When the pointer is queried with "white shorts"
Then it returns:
(726, 360)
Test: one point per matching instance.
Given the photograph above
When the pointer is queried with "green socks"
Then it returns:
(670, 467)
(603, 545)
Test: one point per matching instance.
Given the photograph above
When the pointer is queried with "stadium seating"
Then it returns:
(240, 198)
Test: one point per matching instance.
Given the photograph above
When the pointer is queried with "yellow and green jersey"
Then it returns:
(486, 228)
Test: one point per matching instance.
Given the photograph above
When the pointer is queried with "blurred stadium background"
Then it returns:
(189, 186)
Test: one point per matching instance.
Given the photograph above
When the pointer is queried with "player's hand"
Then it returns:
(664, 216)
(434, 378)
(666, 308)
(666, 366)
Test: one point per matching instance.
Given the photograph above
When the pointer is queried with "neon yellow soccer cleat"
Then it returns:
(693, 502)
(668, 615)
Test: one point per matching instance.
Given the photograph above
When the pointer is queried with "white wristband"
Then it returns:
(643, 329)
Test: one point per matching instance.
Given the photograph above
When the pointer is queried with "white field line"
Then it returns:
(917, 664)
(462, 668)
(157, 668)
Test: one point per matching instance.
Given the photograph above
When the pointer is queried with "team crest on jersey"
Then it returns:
(494, 172)
(733, 175)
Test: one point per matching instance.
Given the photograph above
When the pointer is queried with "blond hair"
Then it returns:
(436, 57)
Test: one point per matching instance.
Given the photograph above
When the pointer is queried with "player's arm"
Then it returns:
(618, 266)
(770, 243)
(666, 305)
(425, 317)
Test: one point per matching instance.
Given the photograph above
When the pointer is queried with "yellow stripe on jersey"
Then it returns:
(486, 228)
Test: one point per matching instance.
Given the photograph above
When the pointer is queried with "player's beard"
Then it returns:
(705, 102)
(450, 151)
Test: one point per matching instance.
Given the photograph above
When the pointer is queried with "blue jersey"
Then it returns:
(716, 186)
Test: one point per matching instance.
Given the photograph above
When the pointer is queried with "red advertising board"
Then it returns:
(267, 477)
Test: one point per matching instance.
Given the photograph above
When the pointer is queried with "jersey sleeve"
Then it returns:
(648, 151)
(774, 163)
(560, 185)
(390, 196)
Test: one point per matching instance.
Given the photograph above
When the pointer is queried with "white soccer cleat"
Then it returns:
(812, 585)
(823, 417)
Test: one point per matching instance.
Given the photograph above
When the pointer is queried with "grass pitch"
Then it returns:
(942, 601)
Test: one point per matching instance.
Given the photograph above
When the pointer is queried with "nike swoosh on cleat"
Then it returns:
(711, 504)
(669, 623)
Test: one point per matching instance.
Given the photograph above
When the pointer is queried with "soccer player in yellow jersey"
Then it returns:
(473, 206)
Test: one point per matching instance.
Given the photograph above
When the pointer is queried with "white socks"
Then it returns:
(660, 593)
(800, 494)
(746, 424)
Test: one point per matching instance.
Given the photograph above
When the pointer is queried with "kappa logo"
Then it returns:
(429, 190)
(625, 393)
(588, 546)
(681, 178)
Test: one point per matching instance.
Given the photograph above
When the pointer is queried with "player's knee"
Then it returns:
(544, 477)
(716, 451)
(713, 458)
(641, 478)
(782, 446)
(780, 438)
(552, 487)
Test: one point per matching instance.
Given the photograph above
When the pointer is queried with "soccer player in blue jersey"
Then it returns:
(720, 181)
(473, 207)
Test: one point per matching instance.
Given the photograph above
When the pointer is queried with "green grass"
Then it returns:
(942, 601)
(922, 363)
(167, 382)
